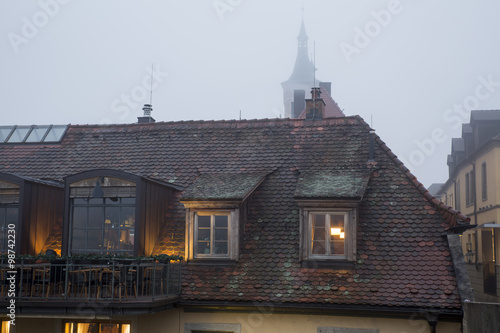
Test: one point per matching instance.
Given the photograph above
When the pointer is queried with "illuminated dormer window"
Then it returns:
(102, 215)
(329, 208)
(114, 212)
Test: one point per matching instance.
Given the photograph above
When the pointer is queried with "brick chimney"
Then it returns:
(147, 115)
(315, 107)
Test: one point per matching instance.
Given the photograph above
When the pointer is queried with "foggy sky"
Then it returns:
(414, 67)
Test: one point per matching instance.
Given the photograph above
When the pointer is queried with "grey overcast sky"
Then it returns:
(416, 67)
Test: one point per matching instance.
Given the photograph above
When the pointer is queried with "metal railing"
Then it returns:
(123, 280)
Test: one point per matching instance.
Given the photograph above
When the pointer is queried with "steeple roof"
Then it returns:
(303, 71)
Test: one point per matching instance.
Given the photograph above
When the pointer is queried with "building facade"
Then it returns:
(473, 187)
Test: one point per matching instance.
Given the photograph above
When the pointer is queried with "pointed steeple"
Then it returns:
(302, 37)
(303, 71)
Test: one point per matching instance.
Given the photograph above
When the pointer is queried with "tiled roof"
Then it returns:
(332, 110)
(234, 186)
(338, 185)
(402, 259)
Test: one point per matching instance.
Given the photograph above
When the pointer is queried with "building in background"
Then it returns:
(473, 187)
(302, 79)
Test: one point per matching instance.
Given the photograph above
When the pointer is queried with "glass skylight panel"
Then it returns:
(4, 132)
(37, 134)
(55, 134)
(19, 134)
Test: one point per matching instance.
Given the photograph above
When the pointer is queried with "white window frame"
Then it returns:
(212, 215)
(207, 208)
(310, 207)
(328, 215)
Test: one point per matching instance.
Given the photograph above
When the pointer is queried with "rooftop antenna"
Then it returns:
(314, 64)
(151, 90)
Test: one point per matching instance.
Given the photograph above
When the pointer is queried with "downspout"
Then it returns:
(475, 213)
(432, 320)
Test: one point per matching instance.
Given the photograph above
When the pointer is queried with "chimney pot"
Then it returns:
(147, 115)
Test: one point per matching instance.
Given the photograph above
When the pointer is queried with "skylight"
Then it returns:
(32, 134)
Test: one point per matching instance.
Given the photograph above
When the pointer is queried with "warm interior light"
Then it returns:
(335, 231)
(342, 235)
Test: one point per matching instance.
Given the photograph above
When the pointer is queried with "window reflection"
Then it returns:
(105, 224)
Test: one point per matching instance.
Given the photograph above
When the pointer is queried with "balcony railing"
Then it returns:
(113, 281)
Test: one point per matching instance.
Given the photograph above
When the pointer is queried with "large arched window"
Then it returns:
(102, 215)
(9, 212)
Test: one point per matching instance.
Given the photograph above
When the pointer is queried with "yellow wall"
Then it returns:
(269, 322)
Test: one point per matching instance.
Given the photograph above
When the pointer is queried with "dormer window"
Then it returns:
(102, 215)
(212, 234)
(329, 203)
(9, 213)
(114, 212)
(216, 209)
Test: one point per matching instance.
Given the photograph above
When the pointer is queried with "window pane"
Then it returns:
(4, 133)
(221, 221)
(220, 247)
(204, 234)
(94, 239)
(127, 217)
(80, 201)
(318, 234)
(95, 216)
(95, 201)
(128, 201)
(126, 240)
(318, 247)
(337, 247)
(19, 134)
(37, 134)
(55, 133)
(318, 220)
(203, 247)
(11, 216)
(111, 239)
(221, 234)
(337, 221)
(112, 217)
(78, 241)
(109, 328)
(79, 217)
(204, 221)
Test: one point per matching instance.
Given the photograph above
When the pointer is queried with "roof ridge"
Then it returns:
(238, 123)
(452, 216)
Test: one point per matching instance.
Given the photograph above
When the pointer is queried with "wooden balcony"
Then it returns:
(109, 287)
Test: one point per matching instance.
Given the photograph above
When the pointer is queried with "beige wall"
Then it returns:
(269, 322)
(266, 321)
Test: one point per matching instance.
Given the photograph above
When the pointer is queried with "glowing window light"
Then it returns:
(335, 231)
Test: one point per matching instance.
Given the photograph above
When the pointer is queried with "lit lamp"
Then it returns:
(337, 232)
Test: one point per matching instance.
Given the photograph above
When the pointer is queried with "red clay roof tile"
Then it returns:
(400, 251)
